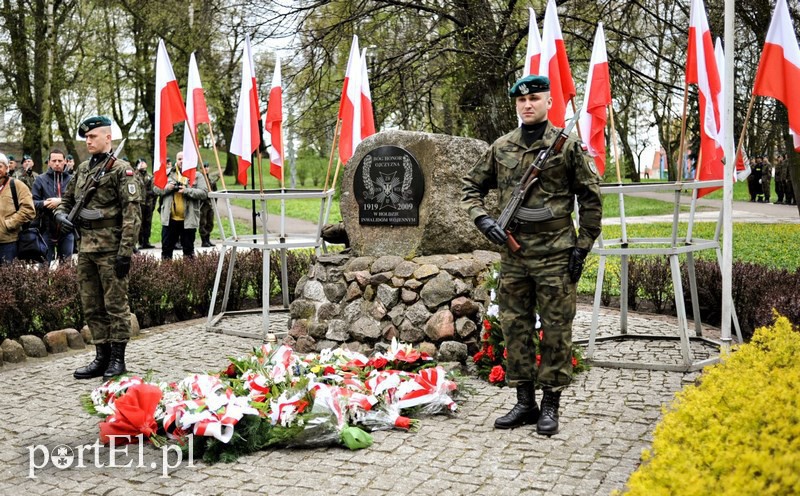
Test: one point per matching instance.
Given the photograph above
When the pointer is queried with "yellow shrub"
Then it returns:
(738, 432)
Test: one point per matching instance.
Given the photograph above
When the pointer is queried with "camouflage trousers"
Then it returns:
(104, 297)
(528, 286)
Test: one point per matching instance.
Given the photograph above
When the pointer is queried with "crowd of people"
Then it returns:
(31, 199)
(759, 182)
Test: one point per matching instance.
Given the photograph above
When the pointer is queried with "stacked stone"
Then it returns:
(433, 302)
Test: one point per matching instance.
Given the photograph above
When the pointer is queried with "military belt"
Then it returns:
(540, 227)
(98, 224)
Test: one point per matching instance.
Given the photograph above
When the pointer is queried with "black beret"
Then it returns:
(92, 123)
(529, 84)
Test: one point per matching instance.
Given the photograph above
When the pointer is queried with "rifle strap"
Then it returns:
(14, 193)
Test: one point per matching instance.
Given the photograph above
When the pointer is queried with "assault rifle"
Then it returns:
(91, 186)
(529, 179)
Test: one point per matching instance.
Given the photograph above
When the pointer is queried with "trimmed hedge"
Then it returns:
(36, 301)
(738, 431)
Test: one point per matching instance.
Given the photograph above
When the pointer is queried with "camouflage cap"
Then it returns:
(92, 123)
(528, 85)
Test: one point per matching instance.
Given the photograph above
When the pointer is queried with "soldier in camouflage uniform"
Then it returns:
(207, 210)
(108, 225)
(542, 276)
(26, 173)
(148, 203)
(766, 178)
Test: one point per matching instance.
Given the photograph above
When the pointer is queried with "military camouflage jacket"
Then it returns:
(27, 177)
(118, 196)
(148, 195)
(565, 175)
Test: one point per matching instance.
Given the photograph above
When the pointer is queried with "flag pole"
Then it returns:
(681, 145)
(216, 156)
(575, 111)
(197, 149)
(260, 172)
(333, 150)
(744, 127)
(623, 225)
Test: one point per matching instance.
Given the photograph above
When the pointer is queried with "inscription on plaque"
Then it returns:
(388, 186)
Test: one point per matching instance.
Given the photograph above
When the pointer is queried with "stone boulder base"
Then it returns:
(12, 351)
(443, 226)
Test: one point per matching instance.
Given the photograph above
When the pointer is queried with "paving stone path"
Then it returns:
(607, 415)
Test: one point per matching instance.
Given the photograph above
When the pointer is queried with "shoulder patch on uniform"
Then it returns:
(129, 172)
(509, 148)
(131, 188)
(584, 147)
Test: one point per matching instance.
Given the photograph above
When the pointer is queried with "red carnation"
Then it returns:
(497, 374)
(490, 352)
(478, 356)
(505, 353)
(541, 335)
(538, 360)
(487, 325)
(329, 370)
(574, 362)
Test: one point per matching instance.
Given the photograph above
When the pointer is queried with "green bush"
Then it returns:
(738, 431)
(34, 301)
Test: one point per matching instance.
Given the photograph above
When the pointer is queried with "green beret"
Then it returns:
(92, 123)
(205, 164)
(26, 157)
(69, 157)
(529, 84)
(11, 157)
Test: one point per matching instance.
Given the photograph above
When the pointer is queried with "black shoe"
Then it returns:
(524, 412)
(98, 366)
(548, 420)
(147, 246)
(116, 366)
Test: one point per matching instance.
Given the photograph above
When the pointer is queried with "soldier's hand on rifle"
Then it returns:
(491, 229)
(122, 265)
(62, 219)
(575, 265)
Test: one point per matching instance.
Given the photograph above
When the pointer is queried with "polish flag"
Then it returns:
(367, 116)
(196, 113)
(779, 67)
(593, 120)
(701, 68)
(169, 111)
(350, 105)
(533, 54)
(245, 138)
(555, 66)
(272, 123)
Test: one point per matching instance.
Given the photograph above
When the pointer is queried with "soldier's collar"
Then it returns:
(550, 134)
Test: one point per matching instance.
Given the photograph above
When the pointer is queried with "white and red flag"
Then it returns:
(533, 53)
(196, 113)
(594, 117)
(246, 139)
(779, 68)
(273, 121)
(169, 111)
(555, 65)
(701, 68)
(350, 105)
(367, 115)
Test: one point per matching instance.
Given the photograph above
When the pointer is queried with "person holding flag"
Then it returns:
(542, 274)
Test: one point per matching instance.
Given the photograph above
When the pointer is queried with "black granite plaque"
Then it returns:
(388, 186)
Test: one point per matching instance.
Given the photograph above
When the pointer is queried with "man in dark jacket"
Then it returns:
(47, 191)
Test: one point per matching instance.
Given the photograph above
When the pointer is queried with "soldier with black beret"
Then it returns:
(542, 275)
(26, 173)
(109, 227)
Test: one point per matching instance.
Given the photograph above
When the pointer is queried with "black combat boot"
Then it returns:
(116, 365)
(524, 412)
(206, 242)
(98, 365)
(548, 420)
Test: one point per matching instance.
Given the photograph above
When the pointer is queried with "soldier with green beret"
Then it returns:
(109, 226)
(542, 276)
(148, 203)
(26, 174)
